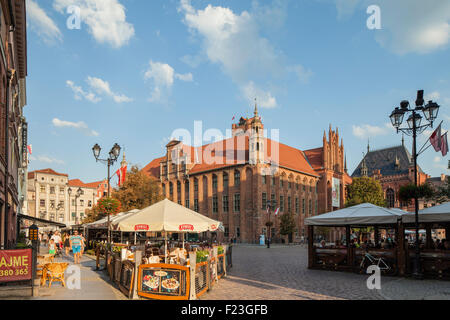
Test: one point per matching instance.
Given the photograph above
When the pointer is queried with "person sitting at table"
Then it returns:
(322, 244)
(446, 244)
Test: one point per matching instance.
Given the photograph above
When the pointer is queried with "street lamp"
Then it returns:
(271, 204)
(414, 121)
(113, 156)
(77, 195)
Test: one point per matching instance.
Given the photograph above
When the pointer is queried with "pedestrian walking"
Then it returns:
(67, 243)
(76, 242)
(52, 247)
(83, 246)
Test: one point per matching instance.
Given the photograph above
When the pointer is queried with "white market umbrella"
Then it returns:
(362, 214)
(167, 216)
(439, 213)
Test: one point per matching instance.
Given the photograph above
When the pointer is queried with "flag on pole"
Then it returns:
(444, 144)
(435, 139)
(29, 148)
(277, 211)
(119, 174)
(124, 173)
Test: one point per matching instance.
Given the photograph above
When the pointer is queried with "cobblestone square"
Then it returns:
(281, 273)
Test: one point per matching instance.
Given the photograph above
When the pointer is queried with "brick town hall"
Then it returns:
(236, 179)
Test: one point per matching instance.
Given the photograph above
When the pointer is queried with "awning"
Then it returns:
(362, 214)
(40, 221)
(170, 217)
(439, 213)
(103, 222)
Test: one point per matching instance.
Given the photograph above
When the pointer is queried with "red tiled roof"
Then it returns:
(152, 169)
(47, 171)
(95, 184)
(233, 151)
(79, 183)
(315, 157)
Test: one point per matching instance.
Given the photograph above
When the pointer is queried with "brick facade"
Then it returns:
(232, 180)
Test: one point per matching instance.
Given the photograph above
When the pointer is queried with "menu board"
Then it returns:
(126, 277)
(163, 280)
(220, 269)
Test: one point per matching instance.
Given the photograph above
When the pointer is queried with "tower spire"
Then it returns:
(123, 163)
(368, 146)
(256, 109)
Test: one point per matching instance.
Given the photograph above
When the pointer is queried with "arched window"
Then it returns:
(390, 198)
(237, 178)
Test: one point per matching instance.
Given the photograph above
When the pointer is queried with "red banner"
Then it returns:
(139, 227)
(182, 227)
(15, 265)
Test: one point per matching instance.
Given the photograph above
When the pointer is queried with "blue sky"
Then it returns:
(137, 70)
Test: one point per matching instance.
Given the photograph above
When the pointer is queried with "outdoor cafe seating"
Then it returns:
(363, 228)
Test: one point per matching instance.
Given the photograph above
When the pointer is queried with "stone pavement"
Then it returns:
(95, 285)
(281, 273)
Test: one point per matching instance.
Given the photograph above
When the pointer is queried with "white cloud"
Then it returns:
(435, 95)
(263, 99)
(437, 159)
(106, 20)
(366, 130)
(234, 41)
(162, 77)
(102, 87)
(408, 25)
(46, 159)
(80, 93)
(184, 77)
(41, 23)
(83, 127)
(302, 74)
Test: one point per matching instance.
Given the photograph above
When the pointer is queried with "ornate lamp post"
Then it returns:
(430, 111)
(113, 156)
(77, 195)
(271, 204)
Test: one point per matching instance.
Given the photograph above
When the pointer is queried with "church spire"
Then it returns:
(256, 109)
(124, 162)
(368, 146)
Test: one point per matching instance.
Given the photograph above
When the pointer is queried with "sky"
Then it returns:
(133, 71)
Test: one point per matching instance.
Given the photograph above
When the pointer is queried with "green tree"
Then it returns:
(442, 193)
(365, 189)
(287, 224)
(138, 191)
(410, 191)
(103, 207)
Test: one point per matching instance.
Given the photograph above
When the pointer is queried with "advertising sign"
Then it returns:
(335, 192)
(15, 265)
(163, 281)
(141, 227)
(183, 227)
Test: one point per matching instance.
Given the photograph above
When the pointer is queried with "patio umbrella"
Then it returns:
(167, 216)
(439, 213)
(361, 214)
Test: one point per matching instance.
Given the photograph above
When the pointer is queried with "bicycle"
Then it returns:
(371, 260)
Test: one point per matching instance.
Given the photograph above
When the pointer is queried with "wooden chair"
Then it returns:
(55, 272)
